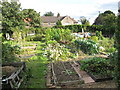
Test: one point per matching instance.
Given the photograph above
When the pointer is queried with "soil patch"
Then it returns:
(8, 70)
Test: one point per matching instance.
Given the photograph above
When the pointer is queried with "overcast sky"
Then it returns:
(74, 8)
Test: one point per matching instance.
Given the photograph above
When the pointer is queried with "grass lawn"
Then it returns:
(36, 71)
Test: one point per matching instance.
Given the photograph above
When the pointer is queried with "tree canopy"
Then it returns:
(49, 14)
(84, 21)
(108, 21)
(11, 16)
(31, 17)
(104, 18)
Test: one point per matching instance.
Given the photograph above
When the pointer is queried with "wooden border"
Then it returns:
(99, 79)
(15, 75)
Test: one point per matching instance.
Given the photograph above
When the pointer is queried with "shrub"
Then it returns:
(9, 52)
(87, 46)
(56, 52)
(73, 28)
(36, 37)
(97, 66)
(99, 35)
(94, 38)
(58, 34)
(108, 44)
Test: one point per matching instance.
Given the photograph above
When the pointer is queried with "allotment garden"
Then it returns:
(57, 57)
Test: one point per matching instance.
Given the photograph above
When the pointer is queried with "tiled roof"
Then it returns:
(53, 19)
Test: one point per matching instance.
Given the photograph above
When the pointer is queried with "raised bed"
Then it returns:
(63, 74)
(12, 74)
(98, 78)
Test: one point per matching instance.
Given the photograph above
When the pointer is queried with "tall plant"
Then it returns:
(118, 48)
(58, 34)
(11, 17)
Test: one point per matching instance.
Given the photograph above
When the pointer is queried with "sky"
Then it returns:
(73, 8)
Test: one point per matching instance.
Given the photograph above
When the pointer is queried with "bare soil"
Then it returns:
(64, 72)
(8, 70)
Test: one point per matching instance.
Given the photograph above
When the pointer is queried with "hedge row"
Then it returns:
(106, 31)
(74, 28)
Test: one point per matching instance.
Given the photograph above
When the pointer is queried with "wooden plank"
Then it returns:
(49, 84)
(76, 69)
(11, 84)
(14, 75)
(84, 75)
(65, 68)
(54, 76)
(20, 82)
(75, 82)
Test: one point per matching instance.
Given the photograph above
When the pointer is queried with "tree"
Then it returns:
(107, 20)
(58, 15)
(31, 17)
(11, 17)
(117, 34)
(84, 21)
(107, 15)
(49, 14)
(58, 22)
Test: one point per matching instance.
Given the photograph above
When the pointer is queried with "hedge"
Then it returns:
(106, 31)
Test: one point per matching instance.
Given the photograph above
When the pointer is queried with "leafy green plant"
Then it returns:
(108, 44)
(87, 46)
(58, 34)
(9, 52)
(94, 38)
(99, 35)
(97, 66)
(56, 52)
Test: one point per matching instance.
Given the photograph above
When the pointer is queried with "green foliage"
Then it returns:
(11, 17)
(9, 52)
(56, 52)
(111, 50)
(94, 38)
(58, 15)
(58, 34)
(73, 28)
(31, 17)
(108, 44)
(117, 38)
(99, 35)
(37, 37)
(58, 22)
(84, 21)
(49, 14)
(107, 15)
(87, 46)
(35, 77)
(97, 66)
(108, 20)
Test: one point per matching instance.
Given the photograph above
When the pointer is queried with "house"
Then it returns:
(49, 21)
